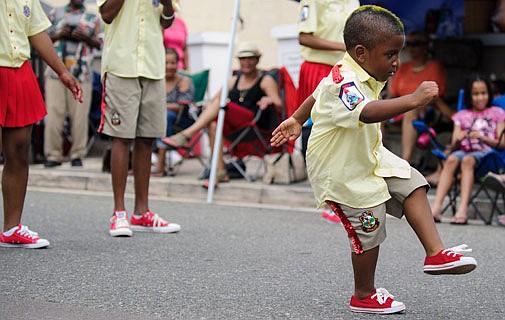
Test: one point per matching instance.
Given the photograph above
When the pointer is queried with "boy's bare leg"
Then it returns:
(119, 158)
(418, 213)
(142, 172)
(16, 145)
(364, 272)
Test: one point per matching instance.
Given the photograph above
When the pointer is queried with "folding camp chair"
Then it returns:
(200, 81)
(243, 137)
(493, 162)
(495, 192)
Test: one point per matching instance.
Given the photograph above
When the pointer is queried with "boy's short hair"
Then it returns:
(370, 25)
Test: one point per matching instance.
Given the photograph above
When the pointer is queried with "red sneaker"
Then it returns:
(379, 301)
(119, 226)
(150, 222)
(23, 238)
(330, 217)
(448, 261)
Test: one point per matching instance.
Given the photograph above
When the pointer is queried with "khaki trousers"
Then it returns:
(59, 102)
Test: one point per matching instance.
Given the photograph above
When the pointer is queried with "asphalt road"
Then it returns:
(229, 262)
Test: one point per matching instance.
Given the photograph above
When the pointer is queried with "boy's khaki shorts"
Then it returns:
(366, 227)
(135, 107)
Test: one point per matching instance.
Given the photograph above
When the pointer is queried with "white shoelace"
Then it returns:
(382, 295)
(158, 221)
(121, 222)
(24, 231)
(462, 248)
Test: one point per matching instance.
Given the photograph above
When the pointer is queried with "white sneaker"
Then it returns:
(119, 225)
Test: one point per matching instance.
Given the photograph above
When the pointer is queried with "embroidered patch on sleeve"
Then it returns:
(368, 222)
(350, 95)
(335, 74)
(305, 13)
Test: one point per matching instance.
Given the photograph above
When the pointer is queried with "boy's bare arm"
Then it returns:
(168, 11)
(110, 10)
(291, 128)
(381, 110)
(312, 41)
(44, 46)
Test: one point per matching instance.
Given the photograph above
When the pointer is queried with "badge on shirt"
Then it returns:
(26, 11)
(156, 3)
(305, 13)
(350, 95)
(368, 222)
(115, 120)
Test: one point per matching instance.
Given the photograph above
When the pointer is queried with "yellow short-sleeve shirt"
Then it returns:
(346, 159)
(133, 44)
(18, 21)
(324, 19)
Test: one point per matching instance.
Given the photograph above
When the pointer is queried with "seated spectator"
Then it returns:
(180, 91)
(250, 88)
(476, 131)
(176, 37)
(408, 77)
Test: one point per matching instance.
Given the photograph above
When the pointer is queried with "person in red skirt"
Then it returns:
(321, 38)
(22, 23)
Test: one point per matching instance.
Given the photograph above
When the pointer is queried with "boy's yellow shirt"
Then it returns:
(18, 21)
(133, 45)
(346, 159)
(324, 19)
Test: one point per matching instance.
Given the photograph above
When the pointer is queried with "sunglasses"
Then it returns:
(416, 43)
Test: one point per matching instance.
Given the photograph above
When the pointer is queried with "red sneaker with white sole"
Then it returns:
(23, 237)
(448, 261)
(380, 301)
(150, 222)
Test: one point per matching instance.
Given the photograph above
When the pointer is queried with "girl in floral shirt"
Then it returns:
(477, 130)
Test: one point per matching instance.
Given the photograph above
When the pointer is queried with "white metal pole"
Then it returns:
(222, 107)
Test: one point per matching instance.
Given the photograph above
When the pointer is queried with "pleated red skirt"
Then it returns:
(21, 101)
(311, 73)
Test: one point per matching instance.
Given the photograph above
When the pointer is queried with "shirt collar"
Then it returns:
(361, 74)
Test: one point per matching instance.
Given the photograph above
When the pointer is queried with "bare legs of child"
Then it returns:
(438, 260)
(16, 145)
(445, 182)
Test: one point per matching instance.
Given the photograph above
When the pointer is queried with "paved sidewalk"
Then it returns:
(183, 186)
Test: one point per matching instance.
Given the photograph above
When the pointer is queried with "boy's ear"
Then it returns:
(361, 53)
